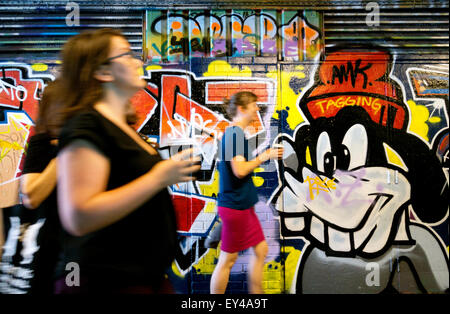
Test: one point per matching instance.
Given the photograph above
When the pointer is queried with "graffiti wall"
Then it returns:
(20, 90)
(359, 203)
(179, 35)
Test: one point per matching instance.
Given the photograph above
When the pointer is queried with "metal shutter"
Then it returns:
(38, 34)
(411, 32)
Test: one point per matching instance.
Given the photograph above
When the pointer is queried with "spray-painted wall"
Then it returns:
(359, 203)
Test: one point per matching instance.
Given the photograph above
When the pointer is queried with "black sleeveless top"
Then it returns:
(138, 248)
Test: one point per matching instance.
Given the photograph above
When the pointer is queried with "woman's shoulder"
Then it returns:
(232, 134)
(234, 129)
(41, 137)
(87, 125)
(85, 119)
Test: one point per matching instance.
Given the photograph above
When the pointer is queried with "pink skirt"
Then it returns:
(241, 229)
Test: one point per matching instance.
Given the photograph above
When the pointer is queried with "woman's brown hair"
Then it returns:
(240, 99)
(49, 119)
(76, 88)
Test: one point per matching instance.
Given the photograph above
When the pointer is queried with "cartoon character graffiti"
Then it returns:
(359, 188)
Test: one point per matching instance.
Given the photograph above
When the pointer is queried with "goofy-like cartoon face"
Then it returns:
(344, 202)
(352, 174)
(346, 187)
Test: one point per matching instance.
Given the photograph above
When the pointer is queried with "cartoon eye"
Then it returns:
(328, 164)
(355, 142)
(325, 159)
(343, 158)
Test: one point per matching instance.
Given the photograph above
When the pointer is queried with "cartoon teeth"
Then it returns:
(290, 202)
(295, 224)
(344, 212)
(339, 241)
(317, 229)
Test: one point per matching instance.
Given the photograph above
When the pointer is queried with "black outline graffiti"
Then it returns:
(186, 45)
(429, 186)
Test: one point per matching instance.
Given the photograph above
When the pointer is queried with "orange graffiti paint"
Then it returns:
(176, 25)
(247, 29)
(237, 26)
(215, 27)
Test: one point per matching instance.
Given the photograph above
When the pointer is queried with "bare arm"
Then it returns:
(36, 187)
(85, 205)
(241, 167)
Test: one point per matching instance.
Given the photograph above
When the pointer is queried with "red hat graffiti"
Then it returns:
(357, 79)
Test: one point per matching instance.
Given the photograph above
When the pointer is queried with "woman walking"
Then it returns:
(112, 186)
(237, 196)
